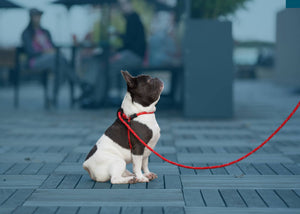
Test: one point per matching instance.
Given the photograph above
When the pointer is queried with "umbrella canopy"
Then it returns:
(8, 4)
(160, 6)
(70, 3)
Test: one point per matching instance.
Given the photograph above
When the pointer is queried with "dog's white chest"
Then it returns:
(151, 123)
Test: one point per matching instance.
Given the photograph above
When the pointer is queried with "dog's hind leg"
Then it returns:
(127, 173)
(117, 170)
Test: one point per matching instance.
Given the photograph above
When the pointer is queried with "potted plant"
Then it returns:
(208, 47)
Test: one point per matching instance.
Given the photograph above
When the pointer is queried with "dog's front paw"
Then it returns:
(142, 179)
(133, 180)
(150, 175)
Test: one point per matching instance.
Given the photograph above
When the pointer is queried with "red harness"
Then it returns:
(128, 120)
(120, 116)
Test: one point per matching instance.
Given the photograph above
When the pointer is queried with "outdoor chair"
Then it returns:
(7, 61)
(22, 71)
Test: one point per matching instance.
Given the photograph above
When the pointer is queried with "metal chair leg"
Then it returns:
(72, 99)
(16, 88)
(46, 91)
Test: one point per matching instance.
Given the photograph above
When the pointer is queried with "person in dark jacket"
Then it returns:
(134, 37)
(131, 55)
(40, 50)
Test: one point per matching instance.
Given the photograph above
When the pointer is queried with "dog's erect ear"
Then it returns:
(128, 78)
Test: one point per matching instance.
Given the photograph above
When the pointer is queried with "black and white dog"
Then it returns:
(108, 158)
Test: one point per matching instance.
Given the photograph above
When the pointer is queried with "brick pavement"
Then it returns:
(41, 153)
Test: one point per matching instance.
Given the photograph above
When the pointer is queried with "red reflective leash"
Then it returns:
(128, 122)
(206, 167)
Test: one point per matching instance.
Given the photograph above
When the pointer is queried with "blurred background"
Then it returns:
(202, 50)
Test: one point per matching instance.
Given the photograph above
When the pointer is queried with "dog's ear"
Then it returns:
(130, 80)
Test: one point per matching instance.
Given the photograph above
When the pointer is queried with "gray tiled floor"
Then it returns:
(41, 153)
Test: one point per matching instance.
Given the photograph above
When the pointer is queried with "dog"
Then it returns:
(108, 158)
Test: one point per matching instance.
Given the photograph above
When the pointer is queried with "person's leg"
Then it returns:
(90, 69)
(95, 77)
(47, 61)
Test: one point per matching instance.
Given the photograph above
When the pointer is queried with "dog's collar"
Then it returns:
(131, 117)
(125, 119)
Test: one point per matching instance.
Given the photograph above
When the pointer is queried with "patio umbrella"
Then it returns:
(8, 4)
(70, 3)
(160, 6)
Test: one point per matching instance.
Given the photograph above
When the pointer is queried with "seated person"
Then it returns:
(129, 56)
(40, 49)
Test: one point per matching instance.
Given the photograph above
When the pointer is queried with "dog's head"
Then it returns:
(143, 89)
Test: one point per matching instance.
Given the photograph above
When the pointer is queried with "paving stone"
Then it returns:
(271, 198)
(218, 171)
(172, 182)
(185, 171)
(85, 183)
(5, 167)
(151, 210)
(54, 149)
(297, 191)
(70, 168)
(5, 194)
(21, 181)
(110, 210)
(32, 157)
(263, 169)
(279, 169)
(16, 169)
(67, 210)
(119, 186)
(47, 168)
(244, 182)
(295, 169)
(155, 159)
(6, 210)
(172, 210)
(101, 185)
(32, 169)
(216, 143)
(104, 197)
(251, 198)
(239, 210)
(157, 183)
(212, 198)
(248, 169)
(234, 170)
(220, 150)
(72, 157)
(193, 197)
(24, 210)
(232, 198)
(45, 210)
(211, 158)
(88, 210)
(290, 198)
(131, 210)
(52, 182)
(138, 186)
(202, 171)
(69, 182)
(18, 198)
